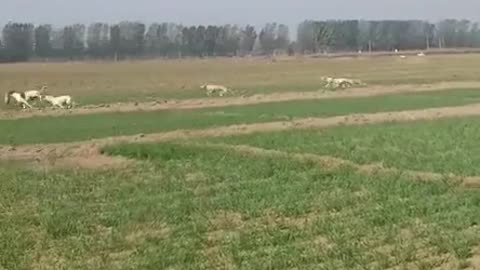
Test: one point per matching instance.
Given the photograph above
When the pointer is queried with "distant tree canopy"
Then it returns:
(18, 41)
(387, 35)
(24, 41)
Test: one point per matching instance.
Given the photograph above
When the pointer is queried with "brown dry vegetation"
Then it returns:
(104, 82)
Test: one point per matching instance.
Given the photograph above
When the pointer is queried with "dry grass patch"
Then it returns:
(272, 219)
(114, 260)
(229, 225)
(50, 259)
(216, 258)
(196, 177)
(139, 233)
(225, 225)
(474, 261)
(228, 221)
(143, 80)
(225, 220)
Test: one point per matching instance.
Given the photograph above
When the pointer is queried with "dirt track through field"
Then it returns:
(330, 162)
(237, 101)
(88, 151)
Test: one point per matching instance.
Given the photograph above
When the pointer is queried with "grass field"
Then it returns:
(84, 127)
(251, 201)
(444, 146)
(202, 209)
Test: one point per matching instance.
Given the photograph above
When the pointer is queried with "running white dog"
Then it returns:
(34, 94)
(18, 97)
(60, 101)
(212, 88)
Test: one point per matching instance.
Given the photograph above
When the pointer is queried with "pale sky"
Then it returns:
(256, 12)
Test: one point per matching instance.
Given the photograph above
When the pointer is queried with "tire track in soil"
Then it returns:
(200, 103)
(88, 151)
(333, 163)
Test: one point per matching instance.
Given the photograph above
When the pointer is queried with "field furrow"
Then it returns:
(91, 147)
(326, 162)
(96, 126)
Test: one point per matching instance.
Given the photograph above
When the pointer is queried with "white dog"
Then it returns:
(18, 97)
(34, 94)
(212, 88)
(60, 101)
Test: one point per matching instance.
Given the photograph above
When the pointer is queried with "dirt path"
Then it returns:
(237, 101)
(88, 151)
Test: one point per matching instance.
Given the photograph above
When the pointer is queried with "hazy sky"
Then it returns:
(256, 12)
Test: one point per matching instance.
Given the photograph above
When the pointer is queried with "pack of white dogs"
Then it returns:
(23, 98)
(328, 82)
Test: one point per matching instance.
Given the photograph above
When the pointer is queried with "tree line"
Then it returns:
(386, 35)
(25, 41)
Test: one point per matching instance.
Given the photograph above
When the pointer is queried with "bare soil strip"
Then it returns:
(475, 260)
(236, 101)
(330, 162)
(86, 149)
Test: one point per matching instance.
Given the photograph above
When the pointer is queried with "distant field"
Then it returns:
(84, 127)
(143, 80)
